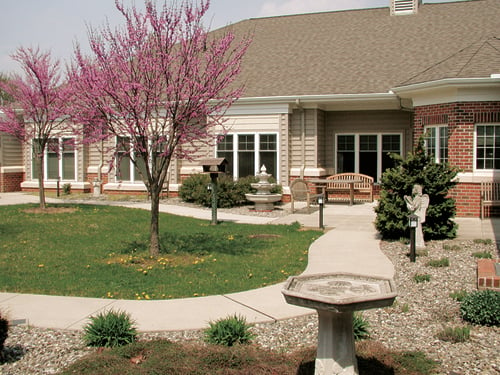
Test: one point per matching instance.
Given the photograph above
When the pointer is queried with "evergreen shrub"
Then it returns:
(481, 307)
(435, 178)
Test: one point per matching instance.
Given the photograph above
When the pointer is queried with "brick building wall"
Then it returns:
(10, 182)
(461, 119)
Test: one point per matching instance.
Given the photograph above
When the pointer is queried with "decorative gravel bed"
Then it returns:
(411, 324)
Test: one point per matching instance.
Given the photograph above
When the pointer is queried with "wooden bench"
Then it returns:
(352, 182)
(300, 192)
(490, 195)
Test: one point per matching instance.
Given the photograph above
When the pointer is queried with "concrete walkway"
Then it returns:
(350, 244)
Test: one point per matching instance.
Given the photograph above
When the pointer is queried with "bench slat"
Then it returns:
(490, 195)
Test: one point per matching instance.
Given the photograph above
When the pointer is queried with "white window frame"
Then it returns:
(357, 148)
(256, 152)
(60, 140)
(437, 151)
(475, 169)
(131, 154)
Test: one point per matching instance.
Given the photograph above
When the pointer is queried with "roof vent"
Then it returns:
(402, 7)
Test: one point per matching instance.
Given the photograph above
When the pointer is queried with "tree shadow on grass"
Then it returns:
(201, 244)
(208, 243)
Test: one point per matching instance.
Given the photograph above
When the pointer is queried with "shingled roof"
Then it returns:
(369, 51)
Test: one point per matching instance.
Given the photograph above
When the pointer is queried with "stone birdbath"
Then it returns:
(336, 296)
(263, 198)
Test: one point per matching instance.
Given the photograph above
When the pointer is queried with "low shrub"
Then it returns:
(482, 255)
(229, 331)
(230, 193)
(110, 329)
(483, 241)
(420, 278)
(481, 307)
(443, 262)
(458, 295)
(194, 189)
(405, 308)
(4, 331)
(360, 327)
(67, 189)
(453, 247)
(417, 362)
(454, 334)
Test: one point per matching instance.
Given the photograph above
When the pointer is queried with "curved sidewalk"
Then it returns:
(350, 244)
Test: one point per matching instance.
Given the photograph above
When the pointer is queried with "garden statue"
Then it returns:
(417, 205)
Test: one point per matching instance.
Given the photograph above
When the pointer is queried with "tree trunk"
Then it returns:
(154, 230)
(41, 187)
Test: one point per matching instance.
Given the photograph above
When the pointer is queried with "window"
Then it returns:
(60, 159)
(345, 153)
(268, 155)
(488, 147)
(125, 168)
(391, 144)
(366, 153)
(436, 142)
(246, 153)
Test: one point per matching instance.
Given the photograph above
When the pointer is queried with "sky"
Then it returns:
(56, 25)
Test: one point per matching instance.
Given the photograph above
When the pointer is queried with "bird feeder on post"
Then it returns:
(413, 224)
(214, 167)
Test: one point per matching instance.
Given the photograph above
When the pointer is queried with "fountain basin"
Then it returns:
(263, 202)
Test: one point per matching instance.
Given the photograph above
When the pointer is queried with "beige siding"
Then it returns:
(321, 139)
(283, 149)
(304, 138)
(351, 122)
(253, 123)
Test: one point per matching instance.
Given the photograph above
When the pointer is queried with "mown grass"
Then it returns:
(101, 251)
(164, 357)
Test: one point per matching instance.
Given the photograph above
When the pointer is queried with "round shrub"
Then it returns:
(110, 329)
(4, 332)
(481, 307)
(194, 189)
(230, 193)
(229, 331)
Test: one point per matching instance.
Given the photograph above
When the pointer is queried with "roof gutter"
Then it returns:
(490, 82)
(315, 99)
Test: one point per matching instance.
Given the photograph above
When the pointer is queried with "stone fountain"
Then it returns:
(336, 296)
(263, 199)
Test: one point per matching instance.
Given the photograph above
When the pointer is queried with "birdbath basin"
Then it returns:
(336, 296)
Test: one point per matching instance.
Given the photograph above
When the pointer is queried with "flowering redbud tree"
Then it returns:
(37, 105)
(163, 81)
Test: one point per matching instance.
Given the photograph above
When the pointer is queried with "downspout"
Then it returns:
(302, 137)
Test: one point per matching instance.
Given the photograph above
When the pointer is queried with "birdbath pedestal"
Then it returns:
(336, 296)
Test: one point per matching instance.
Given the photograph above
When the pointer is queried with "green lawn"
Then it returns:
(101, 251)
